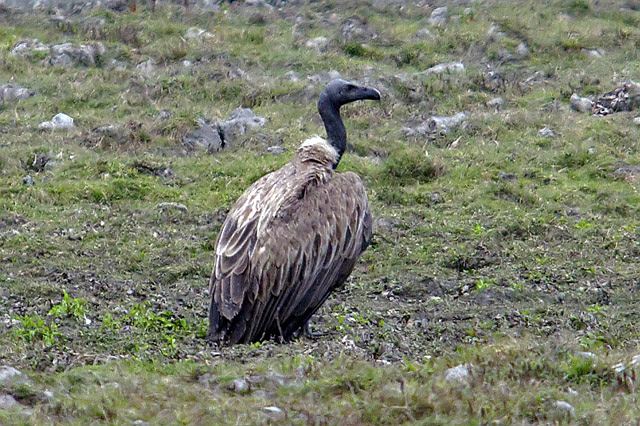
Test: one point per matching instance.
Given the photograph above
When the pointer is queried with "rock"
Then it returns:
(586, 355)
(593, 53)
(7, 402)
(636, 121)
(460, 374)
(206, 137)
(10, 376)
(565, 408)
(187, 64)
(354, 29)
(628, 173)
(439, 16)
(258, 3)
(319, 44)
(437, 125)
(28, 180)
(240, 386)
(494, 33)
(147, 67)
(68, 54)
(467, 11)
(424, 33)
(522, 50)
(276, 150)
(446, 124)
(274, 412)
(11, 92)
(507, 176)
(580, 104)
(166, 206)
(195, 33)
(29, 47)
(140, 423)
(546, 132)
(436, 198)
(239, 122)
(448, 67)
(324, 77)
(292, 76)
(59, 121)
(496, 103)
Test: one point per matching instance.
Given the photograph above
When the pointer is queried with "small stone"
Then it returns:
(7, 401)
(319, 44)
(28, 180)
(424, 33)
(276, 149)
(436, 198)
(439, 16)
(11, 92)
(565, 407)
(206, 137)
(586, 355)
(239, 386)
(494, 32)
(507, 176)
(636, 121)
(165, 206)
(522, 50)
(241, 121)
(59, 121)
(28, 47)
(546, 132)
(459, 374)
(187, 64)
(9, 375)
(580, 104)
(197, 33)
(496, 103)
(147, 67)
(447, 123)
(274, 412)
(448, 67)
(593, 53)
(292, 76)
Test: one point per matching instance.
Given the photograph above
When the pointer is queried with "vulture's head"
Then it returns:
(339, 92)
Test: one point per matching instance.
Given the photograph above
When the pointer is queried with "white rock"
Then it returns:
(522, 50)
(172, 206)
(197, 33)
(9, 374)
(274, 412)
(424, 33)
(546, 132)
(292, 76)
(580, 104)
(593, 53)
(459, 374)
(319, 44)
(636, 121)
(59, 121)
(7, 401)
(439, 16)
(147, 67)
(586, 355)
(496, 103)
(565, 407)
(449, 67)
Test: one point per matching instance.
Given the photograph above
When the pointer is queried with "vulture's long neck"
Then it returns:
(336, 133)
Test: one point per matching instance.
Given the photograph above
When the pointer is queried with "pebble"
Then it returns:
(239, 386)
(565, 407)
(439, 16)
(580, 104)
(458, 374)
(59, 121)
(449, 67)
(546, 132)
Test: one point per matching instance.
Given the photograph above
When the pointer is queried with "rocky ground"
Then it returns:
(502, 166)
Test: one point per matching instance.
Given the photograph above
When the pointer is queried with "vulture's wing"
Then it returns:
(275, 271)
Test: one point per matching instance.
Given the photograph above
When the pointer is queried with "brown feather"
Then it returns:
(287, 243)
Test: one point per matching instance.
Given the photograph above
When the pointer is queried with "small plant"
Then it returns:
(69, 307)
(483, 284)
(34, 328)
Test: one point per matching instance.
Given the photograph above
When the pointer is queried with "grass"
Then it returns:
(494, 246)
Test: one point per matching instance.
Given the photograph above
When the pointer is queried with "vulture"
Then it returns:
(293, 236)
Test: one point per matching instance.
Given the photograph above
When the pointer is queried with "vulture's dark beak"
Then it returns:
(369, 93)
